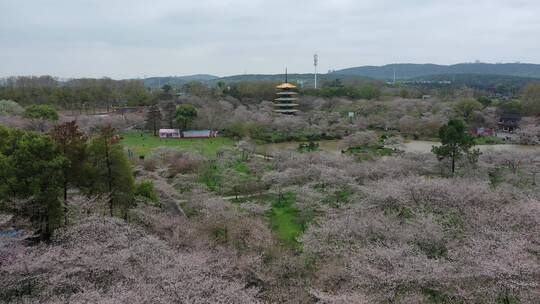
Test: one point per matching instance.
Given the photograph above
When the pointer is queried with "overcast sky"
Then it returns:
(132, 38)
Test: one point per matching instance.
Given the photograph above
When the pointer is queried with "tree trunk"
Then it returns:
(453, 163)
(65, 202)
(109, 176)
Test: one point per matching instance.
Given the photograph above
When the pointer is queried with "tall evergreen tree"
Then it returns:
(109, 170)
(71, 143)
(456, 141)
(169, 111)
(185, 114)
(153, 119)
(31, 170)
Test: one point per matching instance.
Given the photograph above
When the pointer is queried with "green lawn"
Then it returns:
(284, 220)
(142, 143)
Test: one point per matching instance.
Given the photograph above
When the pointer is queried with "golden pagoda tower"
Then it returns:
(285, 103)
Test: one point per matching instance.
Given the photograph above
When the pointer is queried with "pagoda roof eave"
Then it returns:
(286, 85)
(286, 104)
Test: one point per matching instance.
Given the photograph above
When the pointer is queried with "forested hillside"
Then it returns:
(410, 70)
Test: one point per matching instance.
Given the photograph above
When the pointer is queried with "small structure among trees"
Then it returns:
(509, 122)
(175, 133)
(170, 133)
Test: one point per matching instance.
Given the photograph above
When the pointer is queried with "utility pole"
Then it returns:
(315, 63)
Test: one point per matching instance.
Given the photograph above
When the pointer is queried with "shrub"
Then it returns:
(146, 189)
(41, 112)
(10, 108)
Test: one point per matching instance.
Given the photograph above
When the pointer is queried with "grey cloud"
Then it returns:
(164, 37)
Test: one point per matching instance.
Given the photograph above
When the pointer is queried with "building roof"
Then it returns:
(511, 116)
(286, 85)
(284, 111)
(169, 131)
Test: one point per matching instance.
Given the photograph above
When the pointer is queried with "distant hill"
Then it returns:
(177, 80)
(410, 70)
(305, 79)
(475, 80)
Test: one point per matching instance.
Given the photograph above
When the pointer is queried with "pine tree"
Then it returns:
(71, 143)
(456, 141)
(31, 171)
(169, 111)
(109, 170)
(153, 119)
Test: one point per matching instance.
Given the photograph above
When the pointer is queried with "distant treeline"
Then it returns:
(76, 93)
(492, 84)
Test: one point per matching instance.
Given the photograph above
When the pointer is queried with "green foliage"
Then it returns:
(508, 299)
(166, 88)
(338, 198)
(210, 176)
(10, 108)
(485, 101)
(70, 143)
(31, 168)
(455, 140)
(466, 108)
(109, 171)
(284, 219)
(220, 235)
(336, 89)
(452, 222)
(146, 189)
(308, 147)
(72, 94)
(370, 152)
(259, 90)
(436, 296)
(402, 212)
(153, 119)
(237, 130)
(241, 167)
(143, 143)
(496, 176)
(488, 140)
(531, 98)
(196, 88)
(513, 106)
(41, 112)
(432, 249)
(185, 114)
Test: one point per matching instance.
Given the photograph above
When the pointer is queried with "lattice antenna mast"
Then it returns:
(315, 64)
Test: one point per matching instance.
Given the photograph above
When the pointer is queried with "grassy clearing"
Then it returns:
(284, 220)
(143, 143)
(488, 140)
(210, 176)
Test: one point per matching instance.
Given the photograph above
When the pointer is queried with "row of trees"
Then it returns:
(336, 88)
(37, 171)
(77, 93)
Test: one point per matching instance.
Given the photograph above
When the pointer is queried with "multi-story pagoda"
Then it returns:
(285, 103)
